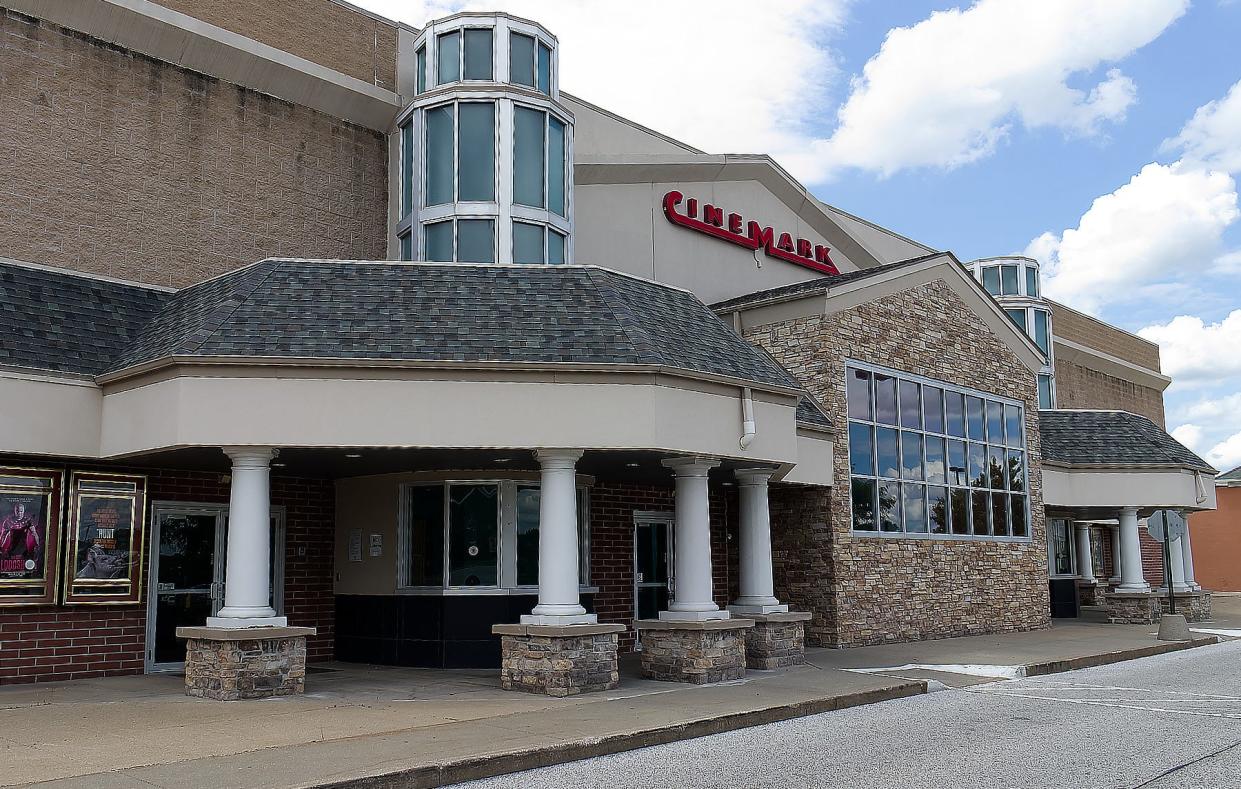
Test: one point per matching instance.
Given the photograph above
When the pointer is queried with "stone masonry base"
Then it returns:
(227, 664)
(1093, 593)
(1196, 606)
(558, 660)
(776, 640)
(694, 652)
(1132, 609)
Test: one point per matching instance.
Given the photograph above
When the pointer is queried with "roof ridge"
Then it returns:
(626, 323)
(238, 296)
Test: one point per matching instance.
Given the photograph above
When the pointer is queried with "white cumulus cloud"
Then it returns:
(731, 77)
(1212, 138)
(1226, 455)
(947, 90)
(1194, 350)
(1166, 221)
(1189, 434)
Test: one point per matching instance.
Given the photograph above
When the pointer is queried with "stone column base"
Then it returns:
(777, 640)
(1132, 609)
(1196, 606)
(695, 652)
(227, 664)
(1094, 593)
(558, 660)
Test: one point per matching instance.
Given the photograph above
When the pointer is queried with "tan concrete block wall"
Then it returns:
(321, 31)
(1083, 387)
(868, 590)
(1084, 330)
(117, 164)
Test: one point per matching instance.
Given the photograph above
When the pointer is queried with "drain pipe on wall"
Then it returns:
(747, 418)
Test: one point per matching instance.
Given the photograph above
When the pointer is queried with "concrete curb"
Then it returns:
(1106, 658)
(487, 767)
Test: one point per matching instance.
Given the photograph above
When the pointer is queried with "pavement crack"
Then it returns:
(1183, 765)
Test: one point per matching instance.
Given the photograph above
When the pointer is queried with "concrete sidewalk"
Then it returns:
(364, 726)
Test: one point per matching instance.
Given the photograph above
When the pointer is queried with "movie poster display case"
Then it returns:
(106, 535)
(31, 501)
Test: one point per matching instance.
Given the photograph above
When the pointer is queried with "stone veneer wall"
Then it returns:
(612, 507)
(57, 642)
(126, 166)
(870, 589)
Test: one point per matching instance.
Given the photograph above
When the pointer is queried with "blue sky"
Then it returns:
(1100, 136)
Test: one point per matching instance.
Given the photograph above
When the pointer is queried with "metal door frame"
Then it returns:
(220, 513)
(648, 517)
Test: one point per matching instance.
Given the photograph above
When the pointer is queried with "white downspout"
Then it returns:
(747, 418)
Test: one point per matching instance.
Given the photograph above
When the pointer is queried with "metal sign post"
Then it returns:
(1166, 526)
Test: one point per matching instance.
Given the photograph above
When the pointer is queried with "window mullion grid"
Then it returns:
(946, 437)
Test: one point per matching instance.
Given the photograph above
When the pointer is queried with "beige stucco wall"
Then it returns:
(1150, 488)
(43, 415)
(316, 411)
(369, 504)
(596, 131)
(623, 227)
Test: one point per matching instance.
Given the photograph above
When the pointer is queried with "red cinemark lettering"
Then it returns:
(757, 236)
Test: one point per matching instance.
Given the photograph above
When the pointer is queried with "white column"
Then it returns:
(247, 583)
(1187, 554)
(691, 547)
(1116, 556)
(559, 595)
(1177, 560)
(1131, 578)
(1085, 567)
(757, 584)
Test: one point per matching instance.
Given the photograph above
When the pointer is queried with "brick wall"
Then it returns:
(1085, 330)
(118, 164)
(1083, 387)
(612, 506)
(891, 589)
(46, 643)
(1216, 537)
(321, 31)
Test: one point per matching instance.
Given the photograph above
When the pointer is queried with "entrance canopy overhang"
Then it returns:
(418, 357)
(1098, 462)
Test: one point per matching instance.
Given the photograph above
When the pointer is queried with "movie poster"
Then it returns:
(23, 535)
(30, 509)
(105, 538)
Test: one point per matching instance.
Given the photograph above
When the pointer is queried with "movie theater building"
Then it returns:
(327, 338)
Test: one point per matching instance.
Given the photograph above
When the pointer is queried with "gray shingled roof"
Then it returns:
(1111, 438)
(436, 312)
(815, 286)
(808, 413)
(69, 323)
(1233, 477)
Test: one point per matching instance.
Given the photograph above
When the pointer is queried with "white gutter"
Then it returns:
(748, 429)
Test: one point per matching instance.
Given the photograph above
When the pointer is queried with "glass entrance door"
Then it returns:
(185, 579)
(187, 574)
(652, 566)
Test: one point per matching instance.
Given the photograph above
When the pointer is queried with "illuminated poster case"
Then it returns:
(31, 500)
(107, 531)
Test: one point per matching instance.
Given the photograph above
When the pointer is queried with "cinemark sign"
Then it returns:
(734, 229)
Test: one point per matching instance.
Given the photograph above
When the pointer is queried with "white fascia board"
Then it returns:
(182, 40)
(1119, 487)
(1068, 350)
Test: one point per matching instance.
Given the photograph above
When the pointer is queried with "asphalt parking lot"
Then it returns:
(1168, 721)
